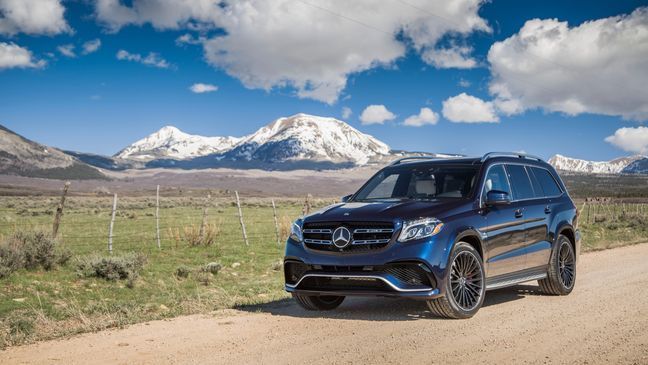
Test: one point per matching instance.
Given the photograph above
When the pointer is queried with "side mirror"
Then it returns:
(497, 197)
(346, 198)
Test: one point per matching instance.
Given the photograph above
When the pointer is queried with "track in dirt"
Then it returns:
(605, 320)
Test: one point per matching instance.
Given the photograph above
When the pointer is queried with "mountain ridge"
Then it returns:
(621, 165)
(297, 141)
(24, 157)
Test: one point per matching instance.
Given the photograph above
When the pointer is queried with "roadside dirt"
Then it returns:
(605, 320)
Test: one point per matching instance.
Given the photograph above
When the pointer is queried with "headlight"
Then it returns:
(296, 231)
(419, 228)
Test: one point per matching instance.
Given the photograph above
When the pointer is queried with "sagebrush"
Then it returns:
(30, 250)
(112, 267)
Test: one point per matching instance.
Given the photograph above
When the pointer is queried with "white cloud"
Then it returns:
(465, 108)
(152, 59)
(14, 56)
(91, 46)
(67, 50)
(200, 88)
(189, 39)
(464, 83)
(376, 114)
(456, 57)
(346, 112)
(309, 46)
(425, 117)
(32, 17)
(630, 139)
(596, 67)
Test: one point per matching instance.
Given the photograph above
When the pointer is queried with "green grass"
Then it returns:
(60, 302)
(36, 305)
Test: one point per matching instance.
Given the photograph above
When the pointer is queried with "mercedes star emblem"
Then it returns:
(341, 237)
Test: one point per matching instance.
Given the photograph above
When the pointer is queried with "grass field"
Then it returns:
(39, 304)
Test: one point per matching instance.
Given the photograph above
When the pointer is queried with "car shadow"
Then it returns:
(383, 309)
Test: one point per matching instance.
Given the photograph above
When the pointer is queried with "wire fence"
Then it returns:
(86, 224)
(154, 221)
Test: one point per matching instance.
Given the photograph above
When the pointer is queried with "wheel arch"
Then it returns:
(471, 237)
(568, 231)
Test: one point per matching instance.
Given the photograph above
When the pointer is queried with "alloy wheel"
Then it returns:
(566, 265)
(466, 281)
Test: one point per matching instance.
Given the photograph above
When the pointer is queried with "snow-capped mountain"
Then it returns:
(639, 166)
(308, 137)
(170, 142)
(615, 166)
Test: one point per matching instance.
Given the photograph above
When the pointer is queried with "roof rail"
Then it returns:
(510, 154)
(429, 158)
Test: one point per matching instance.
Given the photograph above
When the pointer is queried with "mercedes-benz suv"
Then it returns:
(440, 230)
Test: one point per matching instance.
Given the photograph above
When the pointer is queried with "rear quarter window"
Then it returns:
(547, 181)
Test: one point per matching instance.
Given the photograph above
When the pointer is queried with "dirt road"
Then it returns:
(605, 320)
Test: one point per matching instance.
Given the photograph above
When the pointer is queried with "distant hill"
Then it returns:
(20, 156)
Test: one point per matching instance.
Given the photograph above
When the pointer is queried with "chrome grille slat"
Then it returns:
(316, 230)
(373, 230)
(369, 242)
(318, 242)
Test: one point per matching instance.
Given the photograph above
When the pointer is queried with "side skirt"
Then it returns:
(502, 281)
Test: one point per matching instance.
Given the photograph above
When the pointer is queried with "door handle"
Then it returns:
(547, 210)
(518, 213)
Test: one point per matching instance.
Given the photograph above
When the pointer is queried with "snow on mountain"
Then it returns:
(308, 137)
(170, 142)
(615, 166)
(639, 166)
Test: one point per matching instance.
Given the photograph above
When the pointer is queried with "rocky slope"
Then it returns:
(20, 156)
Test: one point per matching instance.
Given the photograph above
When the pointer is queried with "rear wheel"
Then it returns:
(561, 275)
(465, 286)
(318, 303)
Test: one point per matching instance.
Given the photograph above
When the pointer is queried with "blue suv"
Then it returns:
(440, 230)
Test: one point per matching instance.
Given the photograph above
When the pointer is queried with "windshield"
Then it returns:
(419, 182)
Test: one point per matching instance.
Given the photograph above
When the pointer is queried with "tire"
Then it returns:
(318, 303)
(463, 297)
(561, 275)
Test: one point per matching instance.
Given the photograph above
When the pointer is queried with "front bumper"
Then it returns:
(410, 270)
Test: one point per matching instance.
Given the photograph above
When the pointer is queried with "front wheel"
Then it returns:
(465, 286)
(561, 275)
(318, 303)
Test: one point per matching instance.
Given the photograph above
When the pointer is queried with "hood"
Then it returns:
(388, 211)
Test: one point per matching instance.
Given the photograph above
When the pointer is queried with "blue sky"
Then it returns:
(98, 103)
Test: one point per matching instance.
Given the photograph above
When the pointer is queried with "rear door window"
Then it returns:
(548, 183)
(537, 188)
(520, 182)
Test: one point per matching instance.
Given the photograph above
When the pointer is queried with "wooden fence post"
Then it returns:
(204, 217)
(112, 224)
(59, 210)
(240, 215)
(157, 216)
(307, 205)
(276, 222)
(589, 208)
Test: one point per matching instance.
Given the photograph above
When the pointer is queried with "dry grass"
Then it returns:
(195, 235)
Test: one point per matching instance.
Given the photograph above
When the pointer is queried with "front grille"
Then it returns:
(366, 236)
